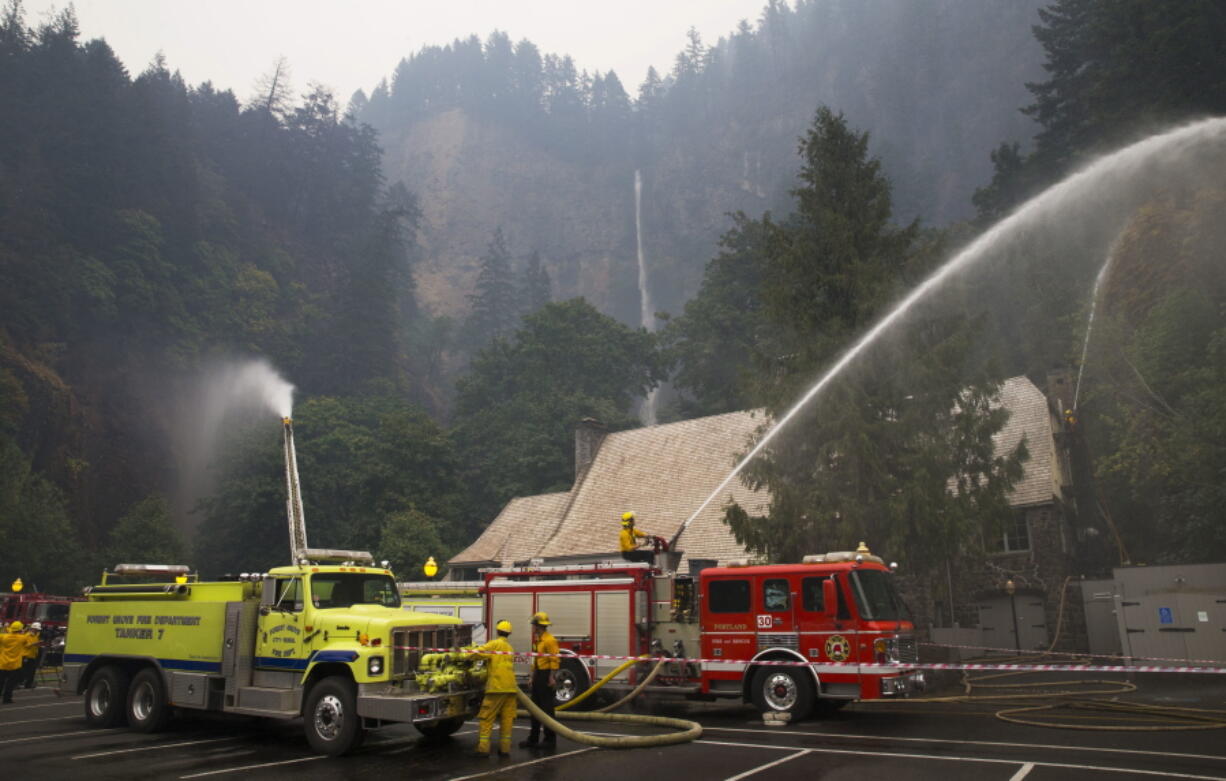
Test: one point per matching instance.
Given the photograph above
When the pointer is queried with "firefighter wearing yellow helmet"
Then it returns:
(544, 678)
(13, 645)
(500, 688)
(628, 541)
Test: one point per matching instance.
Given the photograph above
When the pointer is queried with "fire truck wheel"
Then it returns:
(782, 690)
(440, 729)
(105, 697)
(570, 681)
(147, 706)
(331, 716)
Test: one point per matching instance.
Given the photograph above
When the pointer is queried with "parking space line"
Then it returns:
(760, 768)
(1022, 772)
(57, 735)
(35, 721)
(503, 769)
(982, 760)
(154, 748)
(44, 705)
(992, 743)
(241, 768)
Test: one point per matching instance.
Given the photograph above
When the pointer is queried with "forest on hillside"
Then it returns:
(153, 231)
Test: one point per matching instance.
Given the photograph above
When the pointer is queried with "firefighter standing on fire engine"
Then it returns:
(628, 541)
(544, 674)
(13, 644)
(500, 689)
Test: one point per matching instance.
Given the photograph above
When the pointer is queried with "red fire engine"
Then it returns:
(833, 616)
(50, 611)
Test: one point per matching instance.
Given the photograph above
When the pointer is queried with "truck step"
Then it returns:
(261, 698)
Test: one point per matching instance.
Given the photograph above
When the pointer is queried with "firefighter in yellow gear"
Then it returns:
(13, 645)
(29, 661)
(500, 689)
(628, 541)
(544, 671)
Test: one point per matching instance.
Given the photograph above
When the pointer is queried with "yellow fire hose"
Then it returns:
(687, 730)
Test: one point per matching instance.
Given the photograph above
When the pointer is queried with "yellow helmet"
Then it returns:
(503, 626)
(541, 619)
(16, 626)
(627, 518)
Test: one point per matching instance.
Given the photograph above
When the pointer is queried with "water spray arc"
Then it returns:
(1085, 346)
(1107, 179)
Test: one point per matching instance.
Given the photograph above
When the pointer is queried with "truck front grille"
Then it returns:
(408, 644)
(907, 653)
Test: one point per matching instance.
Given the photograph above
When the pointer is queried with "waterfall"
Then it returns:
(646, 311)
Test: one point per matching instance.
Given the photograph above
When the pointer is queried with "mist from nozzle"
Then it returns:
(222, 396)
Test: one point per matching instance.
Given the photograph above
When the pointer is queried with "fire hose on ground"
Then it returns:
(438, 670)
(687, 730)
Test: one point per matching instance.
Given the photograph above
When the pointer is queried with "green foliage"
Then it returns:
(877, 453)
(535, 289)
(147, 535)
(712, 345)
(37, 540)
(493, 300)
(1116, 69)
(362, 460)
(407, 539)
(517, 407)
(148, 227)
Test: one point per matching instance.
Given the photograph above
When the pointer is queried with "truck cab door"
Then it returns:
(775, 617)
(281, 633)
(826, 624)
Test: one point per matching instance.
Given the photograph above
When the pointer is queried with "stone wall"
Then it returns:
(1043, 570)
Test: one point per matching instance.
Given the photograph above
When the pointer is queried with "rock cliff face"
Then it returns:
(936, 85)
(472, 177)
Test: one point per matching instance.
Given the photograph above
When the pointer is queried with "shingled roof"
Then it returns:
(663, 473)
(1029, 417)
(516, 533)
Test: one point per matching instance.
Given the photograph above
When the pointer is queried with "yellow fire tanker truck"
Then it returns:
(325, 639)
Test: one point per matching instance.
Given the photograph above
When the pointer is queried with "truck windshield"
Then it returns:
(50, 611)
(876, 598)
(342, 589)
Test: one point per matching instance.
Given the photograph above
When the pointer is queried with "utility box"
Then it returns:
(1174, 613)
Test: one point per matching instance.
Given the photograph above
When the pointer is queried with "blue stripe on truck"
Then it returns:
(170, 664)
(302, 664)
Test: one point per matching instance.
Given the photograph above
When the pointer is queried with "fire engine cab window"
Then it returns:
(50, 612)
(729, 596)
(289, 594)
(811, 596)
(775, 595)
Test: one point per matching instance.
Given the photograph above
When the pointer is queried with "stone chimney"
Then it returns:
(588, 436)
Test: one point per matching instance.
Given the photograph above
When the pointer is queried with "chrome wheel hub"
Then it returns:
(329, 716)
(780, 691)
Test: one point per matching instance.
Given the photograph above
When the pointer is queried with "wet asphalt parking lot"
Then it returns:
(43, 735)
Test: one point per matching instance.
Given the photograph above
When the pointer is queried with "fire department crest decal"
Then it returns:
(837, 649)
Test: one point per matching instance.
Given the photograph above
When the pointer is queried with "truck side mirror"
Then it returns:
(268, 596)
(830, 597)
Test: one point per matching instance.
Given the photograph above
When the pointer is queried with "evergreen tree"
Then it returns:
(875, 455)
(494, 309)
(517, 406)
(535, 289)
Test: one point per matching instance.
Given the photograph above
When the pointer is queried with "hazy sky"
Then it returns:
(347, 44)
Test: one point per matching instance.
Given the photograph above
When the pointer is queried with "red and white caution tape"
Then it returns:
(882, 666)
(1016, 652)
